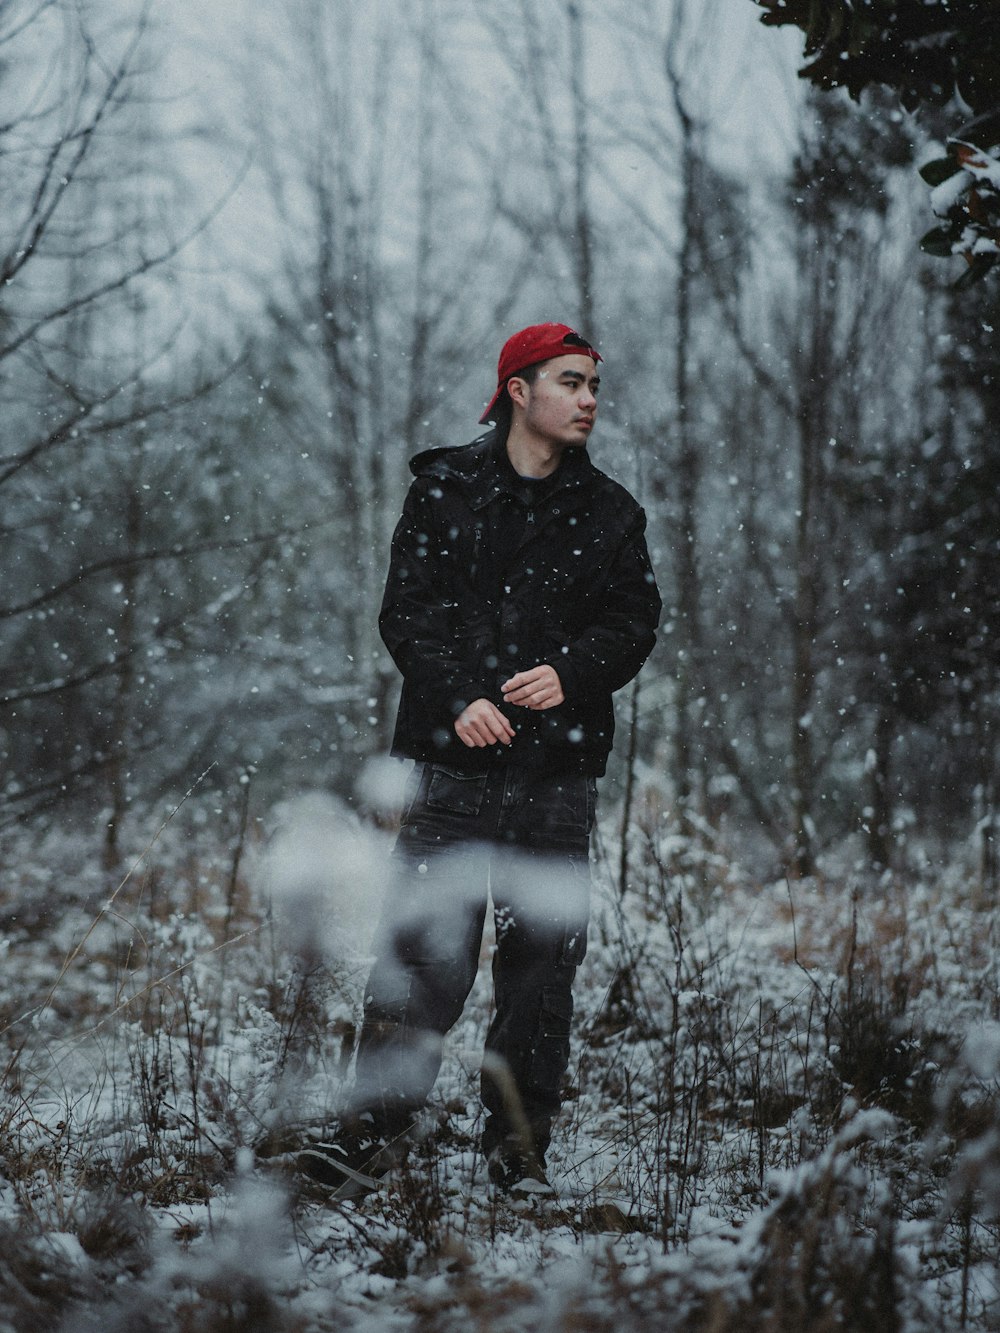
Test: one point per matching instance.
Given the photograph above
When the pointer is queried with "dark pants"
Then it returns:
(525, 837)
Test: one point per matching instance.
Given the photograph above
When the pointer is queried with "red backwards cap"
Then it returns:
(538, 342)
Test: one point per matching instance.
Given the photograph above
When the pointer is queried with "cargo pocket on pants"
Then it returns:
(551, 1053)
(574, 945)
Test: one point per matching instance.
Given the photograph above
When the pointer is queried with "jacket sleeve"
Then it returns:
(425, 616)
(609, 652)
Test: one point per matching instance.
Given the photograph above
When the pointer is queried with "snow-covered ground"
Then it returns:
(782, 1111)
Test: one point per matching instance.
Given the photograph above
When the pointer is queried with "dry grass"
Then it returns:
(773, 1122)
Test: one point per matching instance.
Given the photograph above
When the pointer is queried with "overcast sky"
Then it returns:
(218, 54)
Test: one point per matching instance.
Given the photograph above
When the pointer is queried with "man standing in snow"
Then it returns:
(519, 597)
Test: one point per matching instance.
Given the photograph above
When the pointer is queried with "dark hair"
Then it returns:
(504, 410)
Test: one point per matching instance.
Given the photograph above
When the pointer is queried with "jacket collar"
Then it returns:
(477, 468)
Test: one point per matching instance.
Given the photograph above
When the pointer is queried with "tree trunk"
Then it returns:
(123, 703)
(581, 165)
(688, 755)
(879, 812)
(803, 639)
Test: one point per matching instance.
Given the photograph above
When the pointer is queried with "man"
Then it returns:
(519, 597)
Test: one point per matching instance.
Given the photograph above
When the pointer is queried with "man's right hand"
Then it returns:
(482, 723)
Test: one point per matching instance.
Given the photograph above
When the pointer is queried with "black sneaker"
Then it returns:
(516, 1172)
(354, 1162)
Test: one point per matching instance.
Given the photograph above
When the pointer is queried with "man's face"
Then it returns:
(561, 405)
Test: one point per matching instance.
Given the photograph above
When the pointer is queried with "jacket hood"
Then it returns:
(475, 467)
(454, 460)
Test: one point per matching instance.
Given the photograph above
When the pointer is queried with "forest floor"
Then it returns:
(782, 1110)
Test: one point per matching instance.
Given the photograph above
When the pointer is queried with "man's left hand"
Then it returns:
(538, 688)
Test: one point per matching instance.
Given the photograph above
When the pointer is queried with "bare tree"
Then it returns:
(83, 263)
(555, 215)
(818, 364)
(376, 296)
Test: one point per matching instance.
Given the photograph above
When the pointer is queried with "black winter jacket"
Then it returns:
(481, 586)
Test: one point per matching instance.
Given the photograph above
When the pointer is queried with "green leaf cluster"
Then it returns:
(973, 214)
(927, 51)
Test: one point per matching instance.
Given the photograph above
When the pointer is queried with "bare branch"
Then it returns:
(120, 562)
(32, 800)
(65, 432)
(59, 684)
(41, 211)
(130, 275)
(18, 28)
